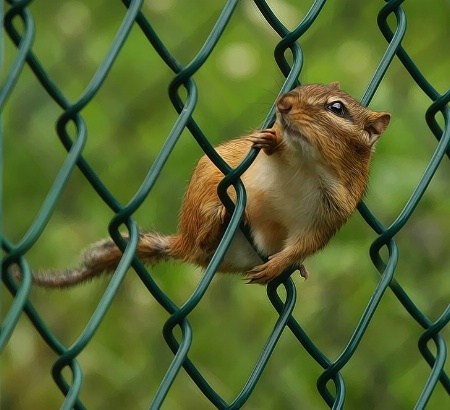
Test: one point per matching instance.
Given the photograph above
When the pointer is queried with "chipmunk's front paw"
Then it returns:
(266, 140)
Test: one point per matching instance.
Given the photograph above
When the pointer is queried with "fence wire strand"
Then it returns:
(19, 25)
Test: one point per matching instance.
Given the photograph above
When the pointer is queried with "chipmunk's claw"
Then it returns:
(303, 272)
(262, 274)
(266, 272)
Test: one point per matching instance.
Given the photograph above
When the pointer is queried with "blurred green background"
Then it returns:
(128, 122)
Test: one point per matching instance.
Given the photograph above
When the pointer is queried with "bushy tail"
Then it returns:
(103, 258)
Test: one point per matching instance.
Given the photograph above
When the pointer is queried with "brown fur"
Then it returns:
(309, 179)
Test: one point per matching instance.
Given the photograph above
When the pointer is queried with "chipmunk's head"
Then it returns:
(328, 124)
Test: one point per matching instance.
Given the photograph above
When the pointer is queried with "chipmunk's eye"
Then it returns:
(337, 107)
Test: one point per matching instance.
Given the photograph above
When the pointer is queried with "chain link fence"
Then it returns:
(72, 131)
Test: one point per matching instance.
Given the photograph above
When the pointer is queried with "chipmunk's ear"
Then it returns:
(376, 124)
(335, 85)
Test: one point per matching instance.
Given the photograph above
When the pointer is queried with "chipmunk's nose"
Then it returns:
(284, 104)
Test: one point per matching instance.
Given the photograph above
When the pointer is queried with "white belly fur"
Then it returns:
(240, 253)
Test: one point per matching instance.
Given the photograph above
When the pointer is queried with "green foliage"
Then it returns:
(128, 122)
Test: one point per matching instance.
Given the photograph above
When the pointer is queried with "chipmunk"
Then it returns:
(303, 186)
